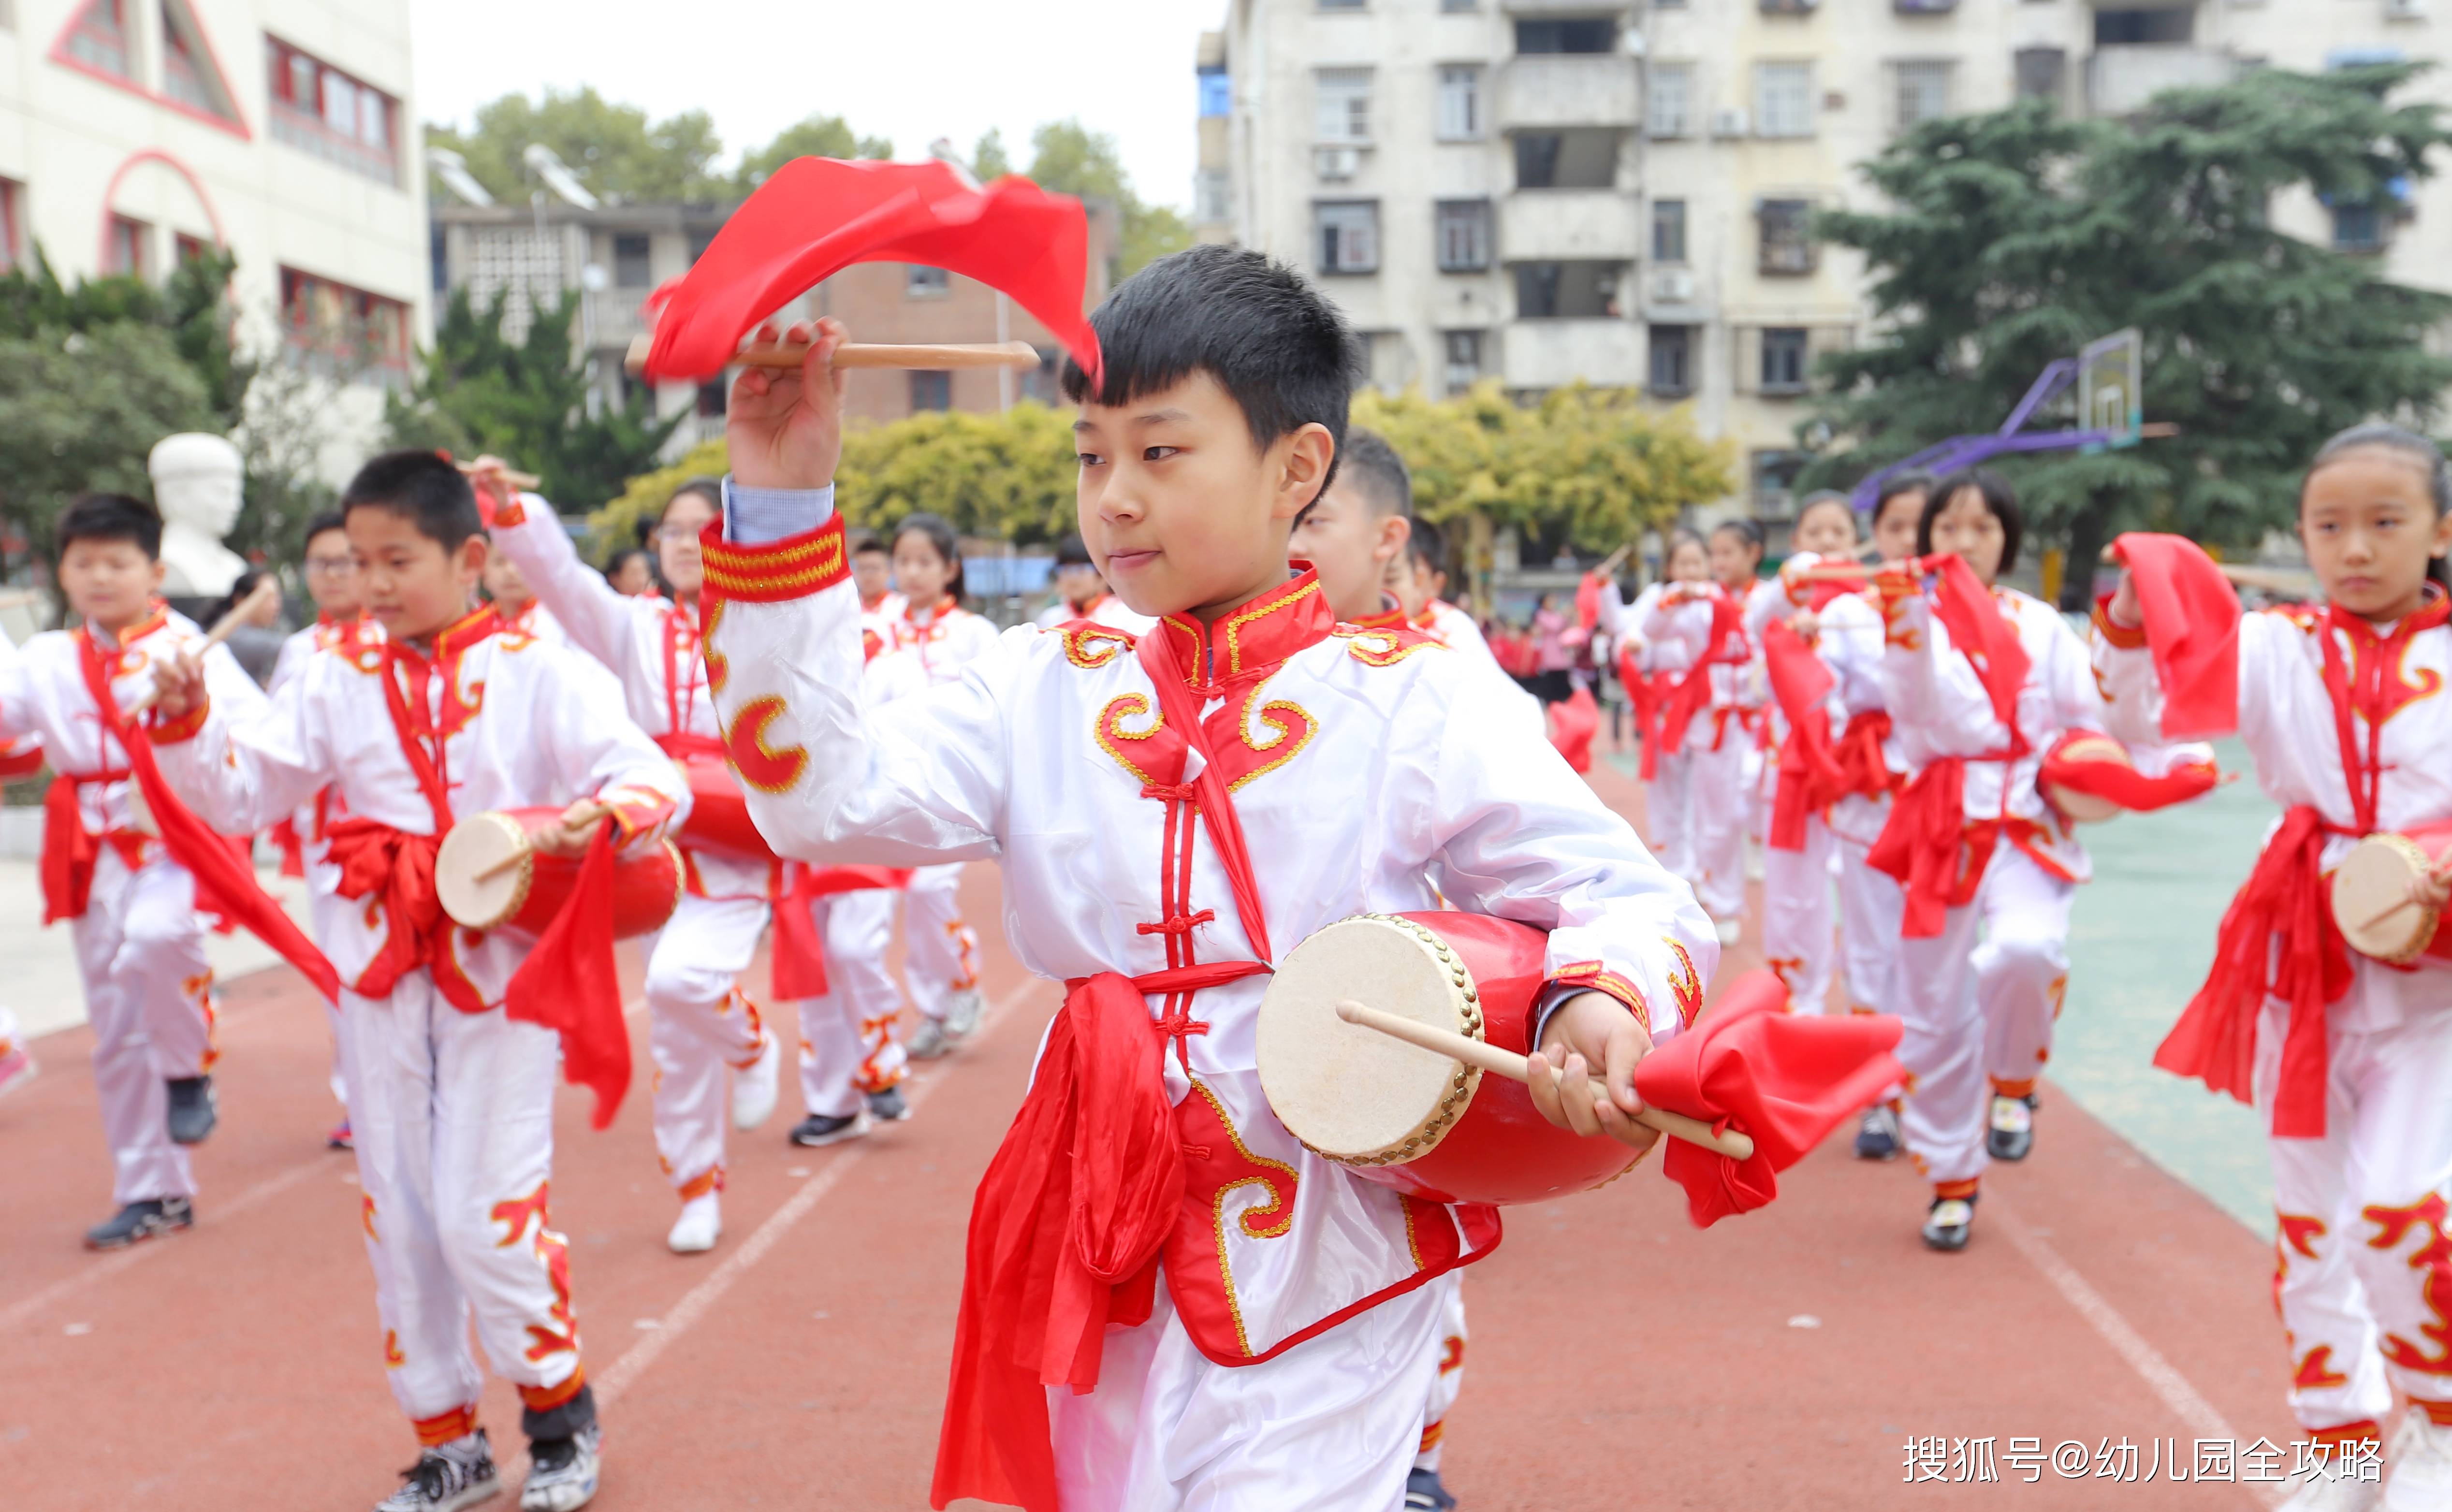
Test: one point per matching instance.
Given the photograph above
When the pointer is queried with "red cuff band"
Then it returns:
(174, 732)
(778, 572)
(2126, 638)
(1595, 977)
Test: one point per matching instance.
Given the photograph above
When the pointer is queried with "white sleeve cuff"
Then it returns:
(755, 517)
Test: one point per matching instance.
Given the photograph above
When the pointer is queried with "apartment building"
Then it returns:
(134, 133)
(1546, 190)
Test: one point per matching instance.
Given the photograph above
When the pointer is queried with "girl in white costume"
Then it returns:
(1720, 738)
(1667, 812)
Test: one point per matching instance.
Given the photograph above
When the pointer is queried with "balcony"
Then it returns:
(2119, 80)
(1568, 89)
(1550, 354)
(1567, 224)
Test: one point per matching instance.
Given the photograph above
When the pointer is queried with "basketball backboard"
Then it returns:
(2111, 387)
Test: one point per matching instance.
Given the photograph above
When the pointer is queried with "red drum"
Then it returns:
(527, 894)
(719, 816)
(1408, 1117)
(2374, 877)
(2075, 750)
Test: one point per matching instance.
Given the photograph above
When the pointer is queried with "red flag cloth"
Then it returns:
(1937, 856)
(226, 884)
(1863, 768)
(816, 216)
(1978, 632)
(2121, 783)
(568, 984)
(798, 966)
(1571, 727)
(1588, 602)
(2285, 904)
(2191, 616)
(293, 849)
(1786, 1079)
(1809, 776)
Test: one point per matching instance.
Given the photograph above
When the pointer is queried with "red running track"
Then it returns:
(1619, 1359)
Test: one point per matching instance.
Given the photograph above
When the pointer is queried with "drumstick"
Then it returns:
(517, 480)
(528, 848)
(1834, 571)
(1516, 1068)
(2437, 872)
(791, 354)
(223, 629)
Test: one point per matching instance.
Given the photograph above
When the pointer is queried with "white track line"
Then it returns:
(2158, 1373)
(109, 1266)
(695, 1303)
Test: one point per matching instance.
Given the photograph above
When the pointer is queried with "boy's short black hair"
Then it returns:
(330, 520)
(1271, 340)
(1428, 545)
(421, 488)
(1073, 552)
(1378, 472)
(864, 545)
(1999, 497)
(112, 517)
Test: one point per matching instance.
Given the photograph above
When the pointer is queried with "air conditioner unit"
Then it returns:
(1672, 286)
(2405, 9)
(1336, 163)
(1728, 123)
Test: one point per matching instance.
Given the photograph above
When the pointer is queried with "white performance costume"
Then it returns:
(1395, 766)
(702, 1026)
(140, 948)
(1720, 741)
(326, 910)
(2362, 1191)
(451, 1100)
(1667, 807)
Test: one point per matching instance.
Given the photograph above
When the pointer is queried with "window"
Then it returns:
(1670, 109)
(322, 110)
(699, 240)
(2042, 73)
(1673, 361)
(1578, 158)
(1464, 359)
(322, 320)
(1774, 476)
(1579, 35)
(1668, 230)
(1567, 290)
(1460, 103)
(1464, 236)
(130, 243)
(2129, 27)
(712, 397)
(1784, 99)
(931, 388)
(188, 75)
(1347, 234)
(1786, 237)
(922, 282)
(1923, 92)
(1211, 195)
(1343, 101)
(12, 199)
(631, 269)
(185, 250)
(2359, 228)
(1217, 94)
(99, 39)
(1782, 359)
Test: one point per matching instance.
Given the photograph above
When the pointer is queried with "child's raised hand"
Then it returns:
(2124, 608)
(1592, 1030)
(181, 683)
(784, 427)
(2431, 889)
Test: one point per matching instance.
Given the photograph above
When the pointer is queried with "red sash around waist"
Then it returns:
(70, 850)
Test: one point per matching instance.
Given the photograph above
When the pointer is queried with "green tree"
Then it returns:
(526, 402)
(2016, 237)
(79, 410)
(989, 160)
(1069, 158)
(820, 136)
(614, 149)
(192, 306)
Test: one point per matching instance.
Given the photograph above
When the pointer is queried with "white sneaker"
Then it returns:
(562, 1478)
(929, 1040)
(2332, 1488)
(753, 1090)
(446, 1477)
(699, 1226)
(2420, 1476)
(1728, 930)
(963, 1011)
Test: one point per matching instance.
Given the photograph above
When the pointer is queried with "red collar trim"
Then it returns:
(2436, 610)
(155, 618)
(455, 639)
(1257, 636)
(1386, 619)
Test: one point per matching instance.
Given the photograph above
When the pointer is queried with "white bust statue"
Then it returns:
(196, 480)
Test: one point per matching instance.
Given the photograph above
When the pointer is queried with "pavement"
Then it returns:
(1810, 1355)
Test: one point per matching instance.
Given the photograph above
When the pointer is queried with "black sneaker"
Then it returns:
(818, 1128)
(454, 1475)
(140, 1221)
(888, 1106)
(1949, 1223)
(563, 1472)
(1423, 1493)
(2012, 1131)
(1877, 1133)
(193, 1109)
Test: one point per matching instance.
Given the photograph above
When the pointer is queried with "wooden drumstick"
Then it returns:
(2436, 871)
(528, 846)
(226, 627)
(791, 354)
(1507, 1063)
(517, 480)
(1836, 572)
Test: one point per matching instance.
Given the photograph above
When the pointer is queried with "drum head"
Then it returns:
(476, 844)
(2083, 808)
(1352, 1093)
(2374, 876)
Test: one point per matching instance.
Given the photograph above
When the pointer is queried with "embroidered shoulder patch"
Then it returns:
(1090, 646)
(1384, 648)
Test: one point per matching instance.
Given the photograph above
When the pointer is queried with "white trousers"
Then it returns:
(703, 1027)
(1973, 1010)
(2366, 1245)
(1669, 813)
(1871, 904)
(1448, 1383)
(327, 915)
(1331, 1425)
(453, 1118)
(849, 1046)
(140, 950)
(1798, 934)
(940, 952)
(1721, 806)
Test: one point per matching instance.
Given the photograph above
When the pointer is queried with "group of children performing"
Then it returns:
(1200, 757)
